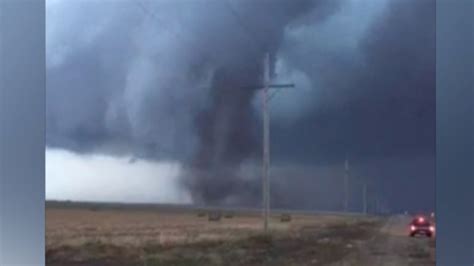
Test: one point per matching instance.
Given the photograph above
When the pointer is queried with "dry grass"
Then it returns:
(103, 237)
(78, 226)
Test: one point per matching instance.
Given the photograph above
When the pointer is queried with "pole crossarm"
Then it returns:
(278, 86)
(269, 86)
(281, 86)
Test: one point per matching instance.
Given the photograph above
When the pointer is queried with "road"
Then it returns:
(392, 246)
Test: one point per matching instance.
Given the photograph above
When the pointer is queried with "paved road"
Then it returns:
(392, 246)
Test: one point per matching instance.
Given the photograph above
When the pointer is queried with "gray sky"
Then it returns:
(128, 80)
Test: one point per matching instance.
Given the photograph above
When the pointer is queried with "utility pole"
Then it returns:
(346, 184)
(266, 138)
(266, 142)
(365, 198)
(376, 203)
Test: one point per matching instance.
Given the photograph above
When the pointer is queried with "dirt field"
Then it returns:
(145, 237)
(137, 228)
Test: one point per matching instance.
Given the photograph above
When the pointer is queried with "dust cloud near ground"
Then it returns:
(89, 236)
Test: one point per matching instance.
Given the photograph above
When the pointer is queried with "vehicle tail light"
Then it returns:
(432, 228)
(413, 228)
(421, 219)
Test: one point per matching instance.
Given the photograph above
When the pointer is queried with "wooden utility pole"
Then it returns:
(266, 142)
(376, 205)
(365, 198)
(346, 184)
(266, 138)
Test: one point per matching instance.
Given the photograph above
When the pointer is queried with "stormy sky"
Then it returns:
(156, 101)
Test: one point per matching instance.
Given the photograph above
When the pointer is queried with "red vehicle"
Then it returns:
(421, 226)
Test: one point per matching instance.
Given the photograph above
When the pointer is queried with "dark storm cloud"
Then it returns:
(111, 86)
(226, 128)
(165, 82)
(182, 85)
(135, 73)
(377, 100)
(374, 103)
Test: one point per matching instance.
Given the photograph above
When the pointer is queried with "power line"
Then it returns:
(154, 17)
(252, 36)
(202, 52)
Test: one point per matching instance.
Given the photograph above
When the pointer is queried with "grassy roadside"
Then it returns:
(307, 246)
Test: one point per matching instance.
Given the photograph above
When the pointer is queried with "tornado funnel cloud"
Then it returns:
(227, 129)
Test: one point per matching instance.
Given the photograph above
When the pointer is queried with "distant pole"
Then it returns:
(365, 198)
(376, 203)
(346, 185)
(266, 143)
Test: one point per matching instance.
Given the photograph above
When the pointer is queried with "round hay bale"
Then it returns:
(285, 218)
(215, 216)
